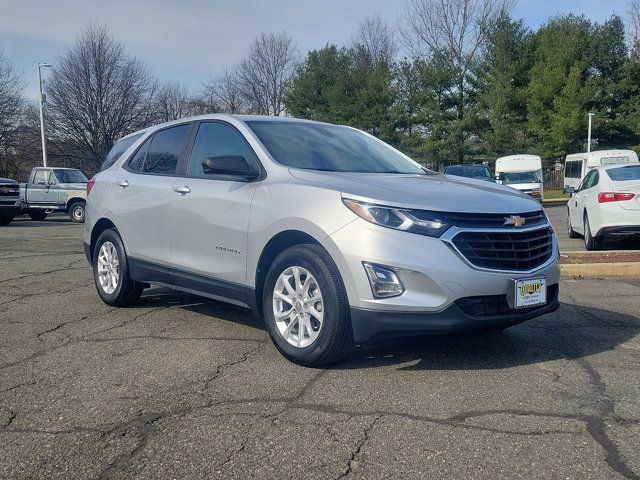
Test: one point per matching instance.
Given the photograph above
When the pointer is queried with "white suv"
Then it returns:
(334, 237)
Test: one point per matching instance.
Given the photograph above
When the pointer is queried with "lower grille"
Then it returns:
(496, 305)
(509, 250)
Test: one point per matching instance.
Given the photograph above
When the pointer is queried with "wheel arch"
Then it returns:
(99, 227)
(74, 200)
(277, 244)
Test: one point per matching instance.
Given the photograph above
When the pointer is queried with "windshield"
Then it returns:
(520, 177)
(624, 173)
(481, 173)
(330, 148)
(70, 176)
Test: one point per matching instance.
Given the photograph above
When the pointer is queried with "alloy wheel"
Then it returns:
(108, 267)
(298, 307)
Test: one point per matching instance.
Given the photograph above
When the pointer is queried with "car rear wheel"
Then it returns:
(76, 212)
(590, 242)
(38, 215)
(570, 231)
(111, 272)
(6, 220)
(305, 307)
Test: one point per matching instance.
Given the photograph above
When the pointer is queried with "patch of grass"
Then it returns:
(555, 195)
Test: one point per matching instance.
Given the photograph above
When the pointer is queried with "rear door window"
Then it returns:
(118, 149)
(164, 150)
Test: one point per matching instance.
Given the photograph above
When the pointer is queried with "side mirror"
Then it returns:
(569, 190)
(229, 165)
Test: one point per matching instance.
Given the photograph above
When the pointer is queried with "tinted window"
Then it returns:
(118, 149)
(624, 173)
(217, 140)
(330, 148)
(481, 173)
(70, 176)
(573, 169)
(136, 163)
(164, 150)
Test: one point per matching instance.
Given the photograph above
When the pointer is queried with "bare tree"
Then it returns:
(97, 94)
(226, 92)
(265, 73)
(174, 102)
(633, 25)
(457, 27)
(375, 39)
(11, 108)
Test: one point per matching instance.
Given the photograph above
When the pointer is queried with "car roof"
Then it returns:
(226, 117)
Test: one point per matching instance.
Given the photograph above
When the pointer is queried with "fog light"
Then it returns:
(384, 282)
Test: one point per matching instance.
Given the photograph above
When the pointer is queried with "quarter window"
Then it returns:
(164, 150)
(136, 163)
(215, 140)
(118, 149)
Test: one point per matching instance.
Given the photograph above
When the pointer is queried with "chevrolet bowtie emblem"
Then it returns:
(515, 220)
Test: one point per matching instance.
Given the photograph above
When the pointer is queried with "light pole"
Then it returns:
(589, 134)
(41, 103)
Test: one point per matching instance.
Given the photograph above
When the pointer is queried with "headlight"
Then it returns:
(421, 222)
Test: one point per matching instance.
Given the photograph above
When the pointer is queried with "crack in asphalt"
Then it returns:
(359, 445)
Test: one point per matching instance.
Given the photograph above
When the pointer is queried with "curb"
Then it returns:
(622, 270)
(554, 203)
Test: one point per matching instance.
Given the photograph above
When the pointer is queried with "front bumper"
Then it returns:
(376, 325)
(14, 208)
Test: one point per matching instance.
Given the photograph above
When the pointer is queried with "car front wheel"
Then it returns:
(111, 272)
(590, 242)
(305, 307)
(570, 231)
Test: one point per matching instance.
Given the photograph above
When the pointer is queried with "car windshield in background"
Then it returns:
(623, 174)
(479, 173)
(329, 148)
(521, 177)
(70, 176)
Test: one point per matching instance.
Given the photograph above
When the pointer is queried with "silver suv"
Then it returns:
(328, 233)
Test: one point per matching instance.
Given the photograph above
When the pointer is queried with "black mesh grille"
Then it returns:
(9, 190)
(496, 305)
(506, 250)
(491, 220)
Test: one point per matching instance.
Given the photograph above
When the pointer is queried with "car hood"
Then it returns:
(425, 192)
(7, 181)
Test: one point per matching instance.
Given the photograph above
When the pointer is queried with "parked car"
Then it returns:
(522, 172)
(55, 190)
(607, 204)
(577, 165)
(479, 172)
(331, 235)
(10, 202)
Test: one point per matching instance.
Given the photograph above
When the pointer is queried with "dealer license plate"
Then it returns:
(530, 292)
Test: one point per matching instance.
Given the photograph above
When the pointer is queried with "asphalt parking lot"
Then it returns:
(184, 387)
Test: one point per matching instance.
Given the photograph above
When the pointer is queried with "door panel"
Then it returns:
(140, 204)
(210, 211)
(46, 194)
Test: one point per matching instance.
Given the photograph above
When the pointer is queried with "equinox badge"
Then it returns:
(515, 220)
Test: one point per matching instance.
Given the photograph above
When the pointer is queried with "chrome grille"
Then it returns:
(508, 250)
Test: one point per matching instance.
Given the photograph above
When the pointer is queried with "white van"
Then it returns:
(522, 172)
(578, 164)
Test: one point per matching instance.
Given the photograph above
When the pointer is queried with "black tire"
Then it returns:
(335, 338)
(76, 212)
(590, 242)
(570, 231)
(127, 291)
(6, 220)
(38, 215)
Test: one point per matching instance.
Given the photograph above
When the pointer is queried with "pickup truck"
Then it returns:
(55, 190)
(10, 202)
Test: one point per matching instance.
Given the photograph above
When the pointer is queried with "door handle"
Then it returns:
(123, 183)
(182, 190)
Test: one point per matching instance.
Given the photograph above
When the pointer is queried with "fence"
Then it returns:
(553, 179)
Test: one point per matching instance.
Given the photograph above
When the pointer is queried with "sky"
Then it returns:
(193, 41)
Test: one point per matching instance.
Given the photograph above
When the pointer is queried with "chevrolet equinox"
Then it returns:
(332, 236)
